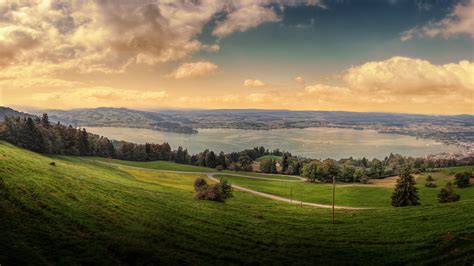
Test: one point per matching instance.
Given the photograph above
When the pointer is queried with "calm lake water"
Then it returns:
(310, 142)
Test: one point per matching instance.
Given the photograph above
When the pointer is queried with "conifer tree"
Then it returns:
(83, 143)
(405, 193)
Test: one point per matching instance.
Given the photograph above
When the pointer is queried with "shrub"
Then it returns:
(447, 194)
(405, 193)
(430, 184)
(216, 192)
(200, 184)
(429, 178)
(219, 168)
(52, 163)
(462, 179)
(364, 179)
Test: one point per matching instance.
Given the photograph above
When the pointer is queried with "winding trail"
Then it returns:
(212, 177)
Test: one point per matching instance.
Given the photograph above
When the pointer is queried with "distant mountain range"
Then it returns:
(187, 121)
(119, 117)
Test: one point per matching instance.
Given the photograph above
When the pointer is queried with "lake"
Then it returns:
(310, 142)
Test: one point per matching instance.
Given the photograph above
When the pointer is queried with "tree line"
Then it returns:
(40, 135)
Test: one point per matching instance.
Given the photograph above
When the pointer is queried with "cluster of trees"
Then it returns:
(406, 194)
(216, 192)
(39, 135)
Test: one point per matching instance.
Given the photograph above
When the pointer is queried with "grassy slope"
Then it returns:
(161, 165)
(269, 157)
(78, 212)
(165, 165)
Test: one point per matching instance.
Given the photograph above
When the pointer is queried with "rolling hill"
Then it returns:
(84, 212)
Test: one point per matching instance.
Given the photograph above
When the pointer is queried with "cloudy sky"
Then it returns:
(413, 56)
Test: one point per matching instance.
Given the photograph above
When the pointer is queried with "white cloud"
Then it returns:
(254, 83)
(244, 17)
(460, 21)
(194, 70)
(300, 80)
(403, 75)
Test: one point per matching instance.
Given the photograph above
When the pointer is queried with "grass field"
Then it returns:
(458, 169)
(79, 212)
(171, 166)
(269, 157)
(159, 165)
(355, 195)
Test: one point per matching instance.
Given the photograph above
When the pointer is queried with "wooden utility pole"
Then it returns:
(333, 195)
(291, 194)
(301, 194)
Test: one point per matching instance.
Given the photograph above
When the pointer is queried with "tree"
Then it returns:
(462, 179)
(221, 160)
(314, 171)
(45, 120)
(266, 166)
(447, 194)
(245, 160)
(216, 192)
(405, 193)
(83, 143)
(211, 159)
(284, 163)
(348, 173)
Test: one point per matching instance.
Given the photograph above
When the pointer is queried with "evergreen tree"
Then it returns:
(405, 193)
(83, 143)
(211, 159)
(221, 160)
(45, 120)
(284, 163)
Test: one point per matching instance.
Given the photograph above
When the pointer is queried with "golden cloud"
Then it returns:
(255, 83)
(408, 76)
(194, 70)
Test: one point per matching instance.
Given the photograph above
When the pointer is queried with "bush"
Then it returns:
(447, 194)
(429, 178)
(364, 179)
(52, 163)
(200, 184)
(463, 179)
(219, 168)
(430, 184)
(216, 192)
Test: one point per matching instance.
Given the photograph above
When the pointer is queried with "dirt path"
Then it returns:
(258, 193)
(274, 197)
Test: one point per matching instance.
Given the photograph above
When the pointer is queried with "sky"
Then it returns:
(409, 56)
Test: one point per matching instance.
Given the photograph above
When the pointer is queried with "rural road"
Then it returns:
(258, 193)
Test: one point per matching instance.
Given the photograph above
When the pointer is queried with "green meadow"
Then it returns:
(85, 212)
(269, 157)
